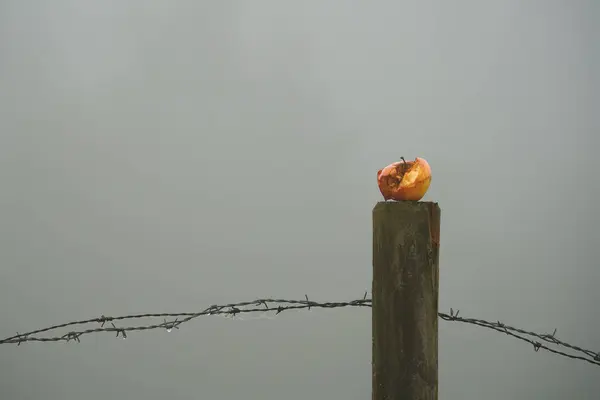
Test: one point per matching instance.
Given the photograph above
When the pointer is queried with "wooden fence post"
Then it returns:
(406, 237)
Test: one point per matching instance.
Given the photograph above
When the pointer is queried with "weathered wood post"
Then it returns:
(406, 237)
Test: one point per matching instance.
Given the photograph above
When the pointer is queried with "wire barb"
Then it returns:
(21, 338)
(119, 330)
(72, 336)
(278, 306)
(169, 326)
(307, 302)
(102, 320)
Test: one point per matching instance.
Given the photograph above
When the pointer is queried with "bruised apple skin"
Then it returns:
(405, 180)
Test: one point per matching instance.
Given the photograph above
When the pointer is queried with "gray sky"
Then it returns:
(159, 156)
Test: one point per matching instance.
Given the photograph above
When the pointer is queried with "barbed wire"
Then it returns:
(277, 306)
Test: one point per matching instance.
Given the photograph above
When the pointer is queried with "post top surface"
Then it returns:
(404, 205)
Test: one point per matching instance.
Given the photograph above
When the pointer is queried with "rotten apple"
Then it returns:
(405, 180)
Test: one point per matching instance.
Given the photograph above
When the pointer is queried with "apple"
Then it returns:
(405, 180)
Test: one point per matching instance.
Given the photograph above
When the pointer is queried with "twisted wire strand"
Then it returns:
(266, 305)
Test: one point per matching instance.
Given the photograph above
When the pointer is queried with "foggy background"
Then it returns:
(164, 156)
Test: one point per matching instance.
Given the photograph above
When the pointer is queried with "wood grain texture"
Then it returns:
(405, 300)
